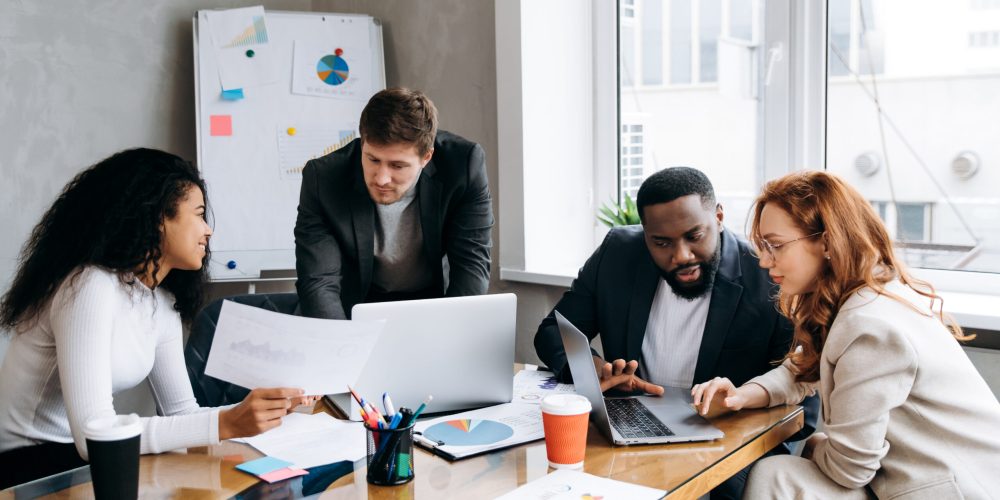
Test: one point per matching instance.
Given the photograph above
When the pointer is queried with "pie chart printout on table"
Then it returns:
(469, 432)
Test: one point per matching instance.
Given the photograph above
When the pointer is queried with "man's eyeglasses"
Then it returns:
(773, 249)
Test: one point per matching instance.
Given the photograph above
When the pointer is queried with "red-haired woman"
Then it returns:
(906, 415)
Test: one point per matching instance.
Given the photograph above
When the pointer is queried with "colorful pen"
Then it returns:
(390, 411)
(356, 396)
(395, 420)
(420, 409)
(366, 407)
(373, 411)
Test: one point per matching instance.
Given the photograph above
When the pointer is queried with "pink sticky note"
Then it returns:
(221, 125)
(280, 474)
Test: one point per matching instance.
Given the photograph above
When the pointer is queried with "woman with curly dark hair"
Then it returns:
(106, 280)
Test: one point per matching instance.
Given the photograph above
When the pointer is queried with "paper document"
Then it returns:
(566, 484)
(242, 47)
(255, 347)
(473, 432)
(311, 440)
(530, 386)
(298, 145)
(337, 70)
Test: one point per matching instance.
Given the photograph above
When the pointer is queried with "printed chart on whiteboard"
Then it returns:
(298, 145)
(321, 70)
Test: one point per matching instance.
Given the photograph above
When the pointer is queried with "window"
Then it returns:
(708, 127)
(709, 29)
(907, 222)
(747, 90)
(628, 9)
(680, 41)
(632, 164)
(652, 42)
(913, 128)
(984, 39)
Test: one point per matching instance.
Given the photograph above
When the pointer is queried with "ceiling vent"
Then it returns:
(965, 165)
(867, 163)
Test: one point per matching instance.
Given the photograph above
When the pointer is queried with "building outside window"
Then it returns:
(910, 116)
(925, 103)
(690, 117)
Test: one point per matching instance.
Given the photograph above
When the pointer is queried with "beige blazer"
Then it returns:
(904, 408)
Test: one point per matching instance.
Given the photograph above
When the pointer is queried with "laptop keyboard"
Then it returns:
(633, 420)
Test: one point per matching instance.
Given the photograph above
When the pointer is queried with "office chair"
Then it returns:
(210, 391)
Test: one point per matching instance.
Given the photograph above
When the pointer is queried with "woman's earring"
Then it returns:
(827, 257)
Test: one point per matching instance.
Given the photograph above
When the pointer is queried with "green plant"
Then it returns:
(624, 214)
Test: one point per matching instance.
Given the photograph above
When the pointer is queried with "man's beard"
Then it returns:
(691, 291)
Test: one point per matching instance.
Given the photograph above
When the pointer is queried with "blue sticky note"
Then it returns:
(232, 95)
(263, 465)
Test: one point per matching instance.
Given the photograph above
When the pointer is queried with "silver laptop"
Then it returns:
(458, 349)
(632, 420)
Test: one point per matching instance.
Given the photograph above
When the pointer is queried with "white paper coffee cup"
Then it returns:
(565, 404)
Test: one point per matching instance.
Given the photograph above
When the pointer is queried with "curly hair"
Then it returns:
(110, 215)
(861, 256)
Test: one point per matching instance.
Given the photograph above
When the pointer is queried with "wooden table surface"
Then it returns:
(684, 470)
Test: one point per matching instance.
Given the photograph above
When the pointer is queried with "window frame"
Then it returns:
(792, 56)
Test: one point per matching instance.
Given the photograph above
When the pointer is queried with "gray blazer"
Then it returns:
(905, 410)
(335, 228)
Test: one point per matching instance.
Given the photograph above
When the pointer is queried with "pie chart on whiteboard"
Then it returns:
(332, 69)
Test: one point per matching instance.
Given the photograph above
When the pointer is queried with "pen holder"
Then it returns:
(390, 455)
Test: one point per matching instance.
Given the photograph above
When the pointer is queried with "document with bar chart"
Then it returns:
(475, 432)
(242, 45)
(298, 145)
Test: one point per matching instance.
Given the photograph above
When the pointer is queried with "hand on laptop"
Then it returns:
(716, 397)
(719, 395)
(620, 375)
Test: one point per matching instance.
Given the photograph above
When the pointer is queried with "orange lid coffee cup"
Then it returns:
(565, 418)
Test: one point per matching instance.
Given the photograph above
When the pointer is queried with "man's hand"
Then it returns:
(620, 375)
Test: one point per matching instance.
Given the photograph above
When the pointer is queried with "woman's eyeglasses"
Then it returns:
(773, 249)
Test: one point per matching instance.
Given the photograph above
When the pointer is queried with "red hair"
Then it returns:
(861, 256)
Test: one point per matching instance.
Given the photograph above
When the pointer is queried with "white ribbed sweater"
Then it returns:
(96, 338)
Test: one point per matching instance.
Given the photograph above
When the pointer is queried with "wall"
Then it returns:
(81, 80)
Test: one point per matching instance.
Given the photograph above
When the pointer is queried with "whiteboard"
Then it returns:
(252, 169)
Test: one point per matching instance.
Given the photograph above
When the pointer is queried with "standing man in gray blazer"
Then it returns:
(402, 213)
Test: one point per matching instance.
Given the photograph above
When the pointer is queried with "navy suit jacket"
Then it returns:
(744, 335)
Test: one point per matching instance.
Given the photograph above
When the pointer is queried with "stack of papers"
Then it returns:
(479, 431)
(567, 484)
(271, 469)
(309, 440)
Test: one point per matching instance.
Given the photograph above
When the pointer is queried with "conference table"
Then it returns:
(683, 470)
